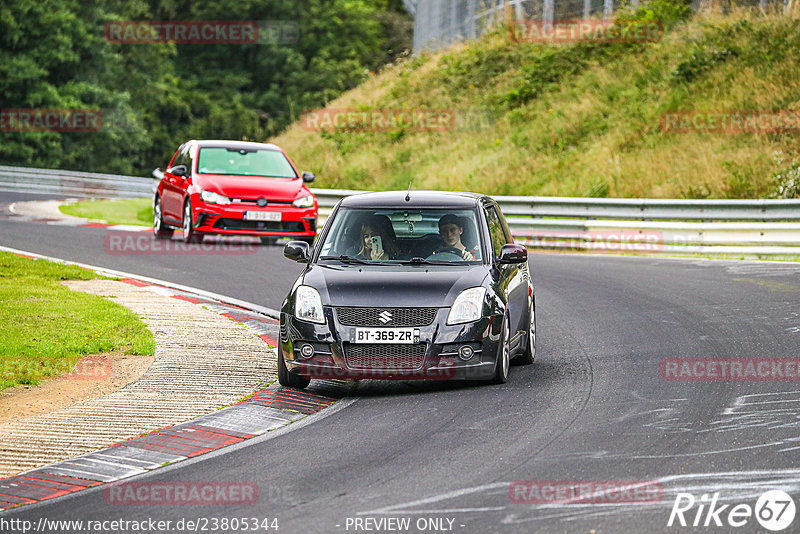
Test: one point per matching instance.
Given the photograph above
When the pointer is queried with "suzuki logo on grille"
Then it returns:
(384, 317)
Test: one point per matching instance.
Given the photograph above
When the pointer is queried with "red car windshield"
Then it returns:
(244, 162)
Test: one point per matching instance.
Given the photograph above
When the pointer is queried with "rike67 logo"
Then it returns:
(774, 511)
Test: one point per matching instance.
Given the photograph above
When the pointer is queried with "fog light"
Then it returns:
(465, 352)
(306, 351)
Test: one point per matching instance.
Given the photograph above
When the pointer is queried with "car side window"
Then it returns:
(496, 232)
(183, 157)
(176, 159)
(186, 157)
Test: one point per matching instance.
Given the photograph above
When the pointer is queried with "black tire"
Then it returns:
(189, 234)
(503, 356)
(287, 379)
(160, 230)
(526, 358)
(268, 240)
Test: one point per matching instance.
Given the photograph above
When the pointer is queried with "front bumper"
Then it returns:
(436, 359)
(229, 220)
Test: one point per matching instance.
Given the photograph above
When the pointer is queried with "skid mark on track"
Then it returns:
(493, 499)
(771, 412)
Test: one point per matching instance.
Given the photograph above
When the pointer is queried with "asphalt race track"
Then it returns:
(593, 407)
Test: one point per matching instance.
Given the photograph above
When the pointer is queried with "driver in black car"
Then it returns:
(451, 228)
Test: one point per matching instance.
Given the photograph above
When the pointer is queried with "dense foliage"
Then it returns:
(583, 118)
(54, 55)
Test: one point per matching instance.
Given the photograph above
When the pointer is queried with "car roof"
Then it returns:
(235, 144)
(418, 199)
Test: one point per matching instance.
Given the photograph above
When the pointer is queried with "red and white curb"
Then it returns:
(265, 410)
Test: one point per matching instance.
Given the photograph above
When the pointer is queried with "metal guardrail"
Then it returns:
(750, 228)
(85, 184)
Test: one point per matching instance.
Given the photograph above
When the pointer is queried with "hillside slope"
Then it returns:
(581, 119)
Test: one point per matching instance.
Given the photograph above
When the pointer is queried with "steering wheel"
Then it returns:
(447, 250)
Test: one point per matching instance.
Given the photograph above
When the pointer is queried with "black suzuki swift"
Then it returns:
(408, 285)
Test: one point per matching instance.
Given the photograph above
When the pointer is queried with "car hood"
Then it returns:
(401, 286)
(251, 186)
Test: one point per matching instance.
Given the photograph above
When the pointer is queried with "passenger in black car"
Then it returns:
(384, 248)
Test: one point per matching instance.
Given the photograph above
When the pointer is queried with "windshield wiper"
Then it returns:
(345, 258)
(416, 260)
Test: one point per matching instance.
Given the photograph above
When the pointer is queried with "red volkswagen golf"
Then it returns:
(234, 188)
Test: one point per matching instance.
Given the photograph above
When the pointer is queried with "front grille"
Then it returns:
(254, 200)
(271, 226)
(349, 316)
(384, 357)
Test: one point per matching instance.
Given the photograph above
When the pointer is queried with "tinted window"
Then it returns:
(244, 162)
(405, 233)
(179, 157)
(187, 157)
(496, 232)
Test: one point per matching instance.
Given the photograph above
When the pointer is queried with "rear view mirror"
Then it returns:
(179, 170)
(297, 251)
(513, 253)
(308, 177)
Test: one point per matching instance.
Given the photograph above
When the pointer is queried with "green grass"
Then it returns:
(47, 327)
(136, 211)
(580, 119)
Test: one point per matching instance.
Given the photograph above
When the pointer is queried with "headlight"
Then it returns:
(468, 306)
(304, 202)
(308, 305)
(214, 198)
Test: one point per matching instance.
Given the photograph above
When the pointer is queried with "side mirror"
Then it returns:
(308, 177)
(297, 251)
(179, 170)
(513, 253)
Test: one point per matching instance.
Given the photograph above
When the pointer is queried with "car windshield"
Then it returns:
(244, 162)
(427, 235)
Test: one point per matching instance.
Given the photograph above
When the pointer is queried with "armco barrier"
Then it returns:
(749, 228)
(84, 184)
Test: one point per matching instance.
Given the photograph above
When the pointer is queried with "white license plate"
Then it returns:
(274, 216)
(384, 335)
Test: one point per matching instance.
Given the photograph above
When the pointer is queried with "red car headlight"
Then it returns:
(214, 198)
(304, 202)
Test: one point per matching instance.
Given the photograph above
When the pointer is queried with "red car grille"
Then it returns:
(384, 357)
(240, 224)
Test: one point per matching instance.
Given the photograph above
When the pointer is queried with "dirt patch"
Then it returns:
(94, 376)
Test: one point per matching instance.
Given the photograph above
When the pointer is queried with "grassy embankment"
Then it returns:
(136, 211)
(47, 328)
(579, 119)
